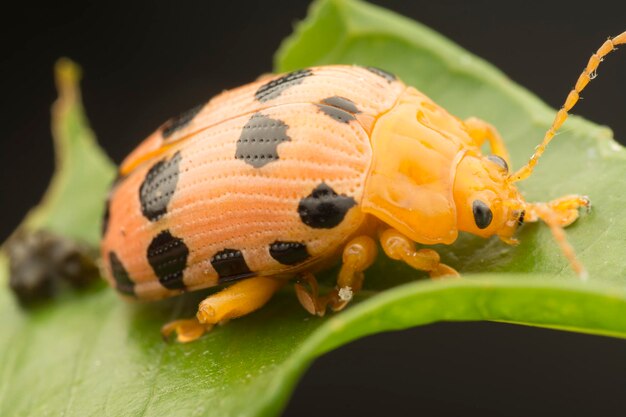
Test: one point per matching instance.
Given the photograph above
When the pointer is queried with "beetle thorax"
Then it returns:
(429, 180)
(409, 186)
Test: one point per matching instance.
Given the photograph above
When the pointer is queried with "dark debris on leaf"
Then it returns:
(42, 263)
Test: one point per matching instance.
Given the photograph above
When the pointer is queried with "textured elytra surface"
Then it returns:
(381, 72)
(96, 337)
(289, 253)
(342, 103)
(259, 140)
(230, 265)
(167, 255)
(238, 187)
(157, 188)
(275, 87)
(248, 163)
(123, 283)
(105, 217)
(336, 113)
(324, 208)
(179, 122)
(374, 92)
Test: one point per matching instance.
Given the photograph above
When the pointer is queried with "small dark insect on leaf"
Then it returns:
(41, 263)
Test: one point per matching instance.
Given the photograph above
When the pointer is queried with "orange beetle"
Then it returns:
(283, 176)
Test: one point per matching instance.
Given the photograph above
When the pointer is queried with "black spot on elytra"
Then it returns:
(158, 187)
(324, 208)
(335, 113)
(230, 265)
(289, 253)
(123, 283)
(276, 87)
(342, 103)
(259, 140)
(107, 214)
(180, 121)
(382, 73)
(107, 205)
(167, 255)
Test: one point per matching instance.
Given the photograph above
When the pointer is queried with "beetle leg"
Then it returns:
(358, 255)
(558, 214)
(307, 291)
(482, 131)
(237, 300)
(399, 247)
(565, 209)
(187, 330)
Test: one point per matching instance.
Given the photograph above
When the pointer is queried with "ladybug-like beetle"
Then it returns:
(283, 176)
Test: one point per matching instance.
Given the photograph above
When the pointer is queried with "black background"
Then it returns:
(145, 62)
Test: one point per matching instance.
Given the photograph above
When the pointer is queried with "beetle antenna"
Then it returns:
(587, 75)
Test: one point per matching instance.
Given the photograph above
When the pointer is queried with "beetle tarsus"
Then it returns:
(557, 214)
(307, 291)
(187, 330)
(482, 131)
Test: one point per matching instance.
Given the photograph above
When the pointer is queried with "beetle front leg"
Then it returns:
(480, 131)
(558, 214)
(358, 255)
(237, 300)
(564, 209)
(401, 248)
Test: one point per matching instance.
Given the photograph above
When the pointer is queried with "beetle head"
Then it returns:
(486, 203)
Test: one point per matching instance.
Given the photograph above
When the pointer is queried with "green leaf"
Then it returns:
(92, 354)
(73, 205)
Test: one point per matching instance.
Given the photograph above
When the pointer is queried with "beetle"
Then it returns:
(281, 177)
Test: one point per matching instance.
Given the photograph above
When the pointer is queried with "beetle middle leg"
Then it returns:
(482, 131)
(237, 300)
(399, 247)
(358, 255)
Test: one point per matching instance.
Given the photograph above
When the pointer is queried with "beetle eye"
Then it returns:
(482, 214)
(520, 219)
(500, 161)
